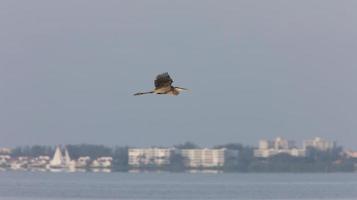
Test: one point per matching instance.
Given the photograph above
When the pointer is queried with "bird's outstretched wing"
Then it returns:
(163, 80)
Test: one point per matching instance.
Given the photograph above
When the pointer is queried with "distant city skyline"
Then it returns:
(255, 70)
(316, 155)
(286, 143)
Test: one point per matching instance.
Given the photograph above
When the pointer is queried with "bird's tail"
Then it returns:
(141, 93)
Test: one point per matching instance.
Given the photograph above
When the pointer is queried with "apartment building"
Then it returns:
(319, 143)
(278, 146)
(206, 158)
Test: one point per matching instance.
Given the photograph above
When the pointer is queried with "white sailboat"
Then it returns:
(57, 160)
(60, 162)
(71, 164)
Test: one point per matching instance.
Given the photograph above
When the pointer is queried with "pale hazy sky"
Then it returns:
(256, 69)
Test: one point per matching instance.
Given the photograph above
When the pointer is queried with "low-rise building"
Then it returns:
(265, 153)
(83, 162)
(102, 162)
(5, 160)
(20, 163)
(39, 162)
(351, 154)
(149, 156)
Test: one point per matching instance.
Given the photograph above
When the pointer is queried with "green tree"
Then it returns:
(187, 145)
(93, 151)
(177, 163)
(32, 151)
(242, 161)
(120, 159)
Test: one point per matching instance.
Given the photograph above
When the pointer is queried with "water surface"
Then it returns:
(175, 186)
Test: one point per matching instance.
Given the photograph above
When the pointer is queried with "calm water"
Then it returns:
(45, 185)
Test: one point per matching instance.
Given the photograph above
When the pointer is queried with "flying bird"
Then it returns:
(163, 85)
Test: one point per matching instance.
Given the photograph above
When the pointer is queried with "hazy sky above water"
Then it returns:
(256, 69)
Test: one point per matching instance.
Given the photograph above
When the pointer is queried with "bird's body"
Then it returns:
(163, 85)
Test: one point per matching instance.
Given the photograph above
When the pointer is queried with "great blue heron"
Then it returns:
(163, 85)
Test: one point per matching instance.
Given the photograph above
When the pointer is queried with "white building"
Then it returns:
(102, 162)
(319, 143)
(278, 143)
(20, 163)
(351, 154)
(39, 162)
(83, 162)
(278, 146)
(4, 160)
(265, 153)
(206, 158)
(149, 156)
(5, 151)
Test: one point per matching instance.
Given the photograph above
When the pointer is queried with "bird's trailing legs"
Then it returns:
(142, 93)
